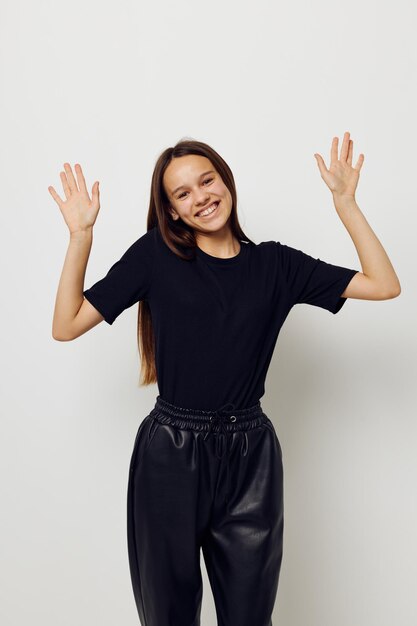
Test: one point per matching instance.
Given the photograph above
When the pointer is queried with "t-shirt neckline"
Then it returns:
(215, 260)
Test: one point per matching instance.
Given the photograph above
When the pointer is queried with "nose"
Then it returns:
(202, 198)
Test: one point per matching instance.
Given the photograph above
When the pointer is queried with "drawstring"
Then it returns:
(183, 418)
(221, 415)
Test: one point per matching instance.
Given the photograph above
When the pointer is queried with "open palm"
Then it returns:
(341, 177)
(79, 210)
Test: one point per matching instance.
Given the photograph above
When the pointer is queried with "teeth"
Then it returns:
(209, 210)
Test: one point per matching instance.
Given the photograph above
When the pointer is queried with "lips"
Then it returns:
(214, 204)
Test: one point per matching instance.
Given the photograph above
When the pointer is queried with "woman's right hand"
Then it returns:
(79, 210)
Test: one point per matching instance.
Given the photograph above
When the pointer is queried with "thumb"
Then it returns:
(321, 164)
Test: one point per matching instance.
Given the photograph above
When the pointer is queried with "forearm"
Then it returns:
(375, 262)
(69, 296)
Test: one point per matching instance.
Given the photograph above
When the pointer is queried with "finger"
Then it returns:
(333, 152)
(321, 164)
(80, 178)
(70, 176)
(359, 162)
(350, 153)
(95, 191)
(67, 190)
(345, 147)
(55, 196)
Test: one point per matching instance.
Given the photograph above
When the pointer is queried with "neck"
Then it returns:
(220, 245)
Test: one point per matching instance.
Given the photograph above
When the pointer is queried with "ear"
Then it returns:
(173, 212)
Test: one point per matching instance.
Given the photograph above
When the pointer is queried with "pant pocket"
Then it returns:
(144, 437)
(271, 427)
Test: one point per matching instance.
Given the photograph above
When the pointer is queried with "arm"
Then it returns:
(73, 315)
(378, 280)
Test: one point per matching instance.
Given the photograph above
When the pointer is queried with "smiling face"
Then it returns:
(193, 185)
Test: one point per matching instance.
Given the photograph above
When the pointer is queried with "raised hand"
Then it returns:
(341, 177)
(79, 210)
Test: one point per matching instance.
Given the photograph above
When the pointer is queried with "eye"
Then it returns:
(207, 180)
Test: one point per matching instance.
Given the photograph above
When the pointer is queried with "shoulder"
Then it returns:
(282, 251)
(281, 256)
(145, 244)
(267, 246)
(263, 257)
(265, 249)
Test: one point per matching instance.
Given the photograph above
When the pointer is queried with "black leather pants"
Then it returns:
(211, 480)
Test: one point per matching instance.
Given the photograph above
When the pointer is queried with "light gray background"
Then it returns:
(267, 84)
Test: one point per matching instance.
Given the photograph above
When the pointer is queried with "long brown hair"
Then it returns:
(177, 235)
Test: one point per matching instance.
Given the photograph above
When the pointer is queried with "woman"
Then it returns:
(206, 469)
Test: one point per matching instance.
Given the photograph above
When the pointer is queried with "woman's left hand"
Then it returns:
(341, 177)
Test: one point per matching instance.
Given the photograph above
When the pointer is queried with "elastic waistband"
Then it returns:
(225, 417)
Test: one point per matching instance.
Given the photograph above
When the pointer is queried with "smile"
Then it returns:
(210, 209)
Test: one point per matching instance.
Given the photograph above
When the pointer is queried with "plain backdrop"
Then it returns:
(110, 85)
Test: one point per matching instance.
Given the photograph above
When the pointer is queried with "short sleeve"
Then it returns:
(313, 281)
(127, 281)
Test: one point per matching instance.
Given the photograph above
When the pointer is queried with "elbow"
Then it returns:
(59, 335)
(397, 290)
(393, 293)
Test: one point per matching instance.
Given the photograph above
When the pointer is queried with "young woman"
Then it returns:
(206, 469)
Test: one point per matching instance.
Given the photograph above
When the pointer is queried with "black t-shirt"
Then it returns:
(216, 321)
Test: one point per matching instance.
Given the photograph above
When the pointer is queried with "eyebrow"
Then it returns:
(201, 175)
